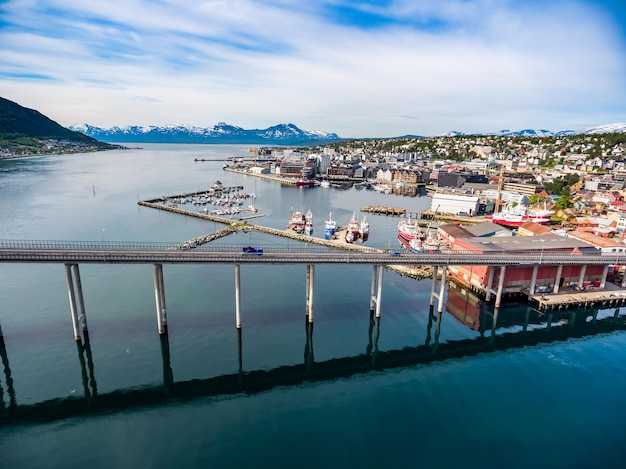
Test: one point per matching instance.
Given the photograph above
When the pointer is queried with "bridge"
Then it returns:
(18, 251)
(73, 253)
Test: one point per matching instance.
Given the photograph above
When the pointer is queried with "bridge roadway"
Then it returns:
(74, 252)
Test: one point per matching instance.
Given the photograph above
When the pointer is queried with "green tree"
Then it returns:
(564, 202)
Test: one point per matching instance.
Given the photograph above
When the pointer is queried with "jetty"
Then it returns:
(381, 210)
(567, 298)
(241, 225)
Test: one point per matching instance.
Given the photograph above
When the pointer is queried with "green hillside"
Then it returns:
(25, 132)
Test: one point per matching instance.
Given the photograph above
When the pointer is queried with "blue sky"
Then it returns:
(358, 68)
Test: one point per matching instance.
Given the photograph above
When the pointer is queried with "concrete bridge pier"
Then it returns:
(376, 292)
(238, 296)
(310, 279)
(500, 287)
(489, 289)
(533, 281)
(379, 290)
(557, 279)
(74, 292)
(433, 286)
(373, 289)
(159, 296)
(442, 287)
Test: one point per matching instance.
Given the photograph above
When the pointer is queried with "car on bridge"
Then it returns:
(252, 250)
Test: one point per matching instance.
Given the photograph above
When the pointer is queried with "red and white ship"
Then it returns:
(520, 214)
(352, 232)
(296, 222)
(304, 182)
(409, 230)
(364, 229)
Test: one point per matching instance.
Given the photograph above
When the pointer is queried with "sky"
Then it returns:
(376, 68)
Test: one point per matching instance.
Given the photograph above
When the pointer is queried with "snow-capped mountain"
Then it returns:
(281, 134)
(601, 129)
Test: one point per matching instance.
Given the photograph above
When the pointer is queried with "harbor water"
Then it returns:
(409, 390)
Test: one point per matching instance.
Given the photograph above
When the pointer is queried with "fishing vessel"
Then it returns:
(308, 223)
(296, 222)
(519, 214)
(330, 226)
(364, 229)
(304, 182)
(352, 232)
(409, 229)
(430, 244)
(415, 245)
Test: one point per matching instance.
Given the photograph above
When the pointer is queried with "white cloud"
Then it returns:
(436, 66)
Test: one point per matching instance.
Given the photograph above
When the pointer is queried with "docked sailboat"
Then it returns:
(352, 232)
(330, 226)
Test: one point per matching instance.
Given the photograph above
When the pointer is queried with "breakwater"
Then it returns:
(237, 226)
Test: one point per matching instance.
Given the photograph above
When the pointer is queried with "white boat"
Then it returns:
(364, 229)
(517, 215)
(296, 222)
(430, 244)
(325, 184)
(409, 229)
(352, 232)
(330, 226)
(308, 223)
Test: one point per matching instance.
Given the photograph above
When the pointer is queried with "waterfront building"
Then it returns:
(455, 204)
(520, 279)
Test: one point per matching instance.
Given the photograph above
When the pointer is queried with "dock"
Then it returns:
(241, 225)
(567, 298)
(381, 210)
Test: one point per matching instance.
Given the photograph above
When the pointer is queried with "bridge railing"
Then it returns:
(274, 248)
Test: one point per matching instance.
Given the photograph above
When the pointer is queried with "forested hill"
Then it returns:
(25, 131)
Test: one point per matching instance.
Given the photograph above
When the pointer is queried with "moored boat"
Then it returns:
(519, 214)
(304, 182)
(409, 229)
(364, 229)
(352, 232)
(296, 222)
(330, 226)
(308, 223)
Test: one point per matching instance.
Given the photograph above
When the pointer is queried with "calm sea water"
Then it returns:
(410, 390)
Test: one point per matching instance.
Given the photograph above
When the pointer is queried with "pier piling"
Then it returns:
(237, 296)
(159, 296)
(77, 309)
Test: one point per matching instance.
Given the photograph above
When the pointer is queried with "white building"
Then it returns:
(455, 204)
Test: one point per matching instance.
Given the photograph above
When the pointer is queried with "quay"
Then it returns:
(270, 177)
(381, 210)
(567, 298)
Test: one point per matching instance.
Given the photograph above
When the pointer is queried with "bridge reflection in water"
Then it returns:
(519, 327)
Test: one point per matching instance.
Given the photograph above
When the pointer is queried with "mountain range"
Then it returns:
(541, 133)
(281, 134)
